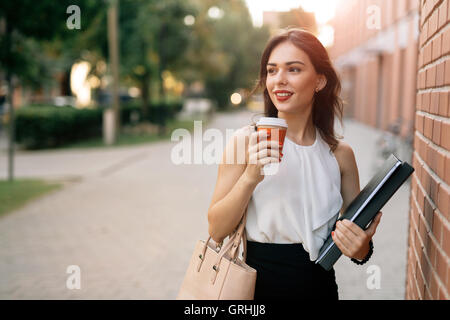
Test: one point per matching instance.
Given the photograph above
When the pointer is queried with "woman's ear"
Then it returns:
(321, 82)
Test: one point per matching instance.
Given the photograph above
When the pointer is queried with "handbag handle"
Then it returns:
(233, 244)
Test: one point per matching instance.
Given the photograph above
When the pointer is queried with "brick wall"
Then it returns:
(428, 270)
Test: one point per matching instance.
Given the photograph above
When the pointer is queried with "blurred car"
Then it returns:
(61, 101)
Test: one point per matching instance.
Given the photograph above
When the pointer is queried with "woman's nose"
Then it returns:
(281, 78)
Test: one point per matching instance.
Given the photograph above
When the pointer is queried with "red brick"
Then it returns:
(431, 162)
(420, 199)
(434, 107)
(437, 228)
(415, 161)
(433, 23)
(446, 240)
(420, 283)
(427, 54)
(433, 254)
(434, 287)
(436, 51)
(422, 15)
(415, 217)
(428, 215)
(428, 128)
(442, 19)
(443, 103)
(441, 294)
(431, 77)
(424, 34)
(443, 200)
(445, 134)
(419, 123)
(420, 80)
(446, 42)
(427, 295)
(434, 188)
(447, 282)
(419, 100)
(440, 69)
(447, 72)
(440, 163)
(422, 231)
(426, 101)
(416, 137)
(448, 10)
(441, 266)
(423, 154)
(447, 170)
(413, 290)
(437, 131)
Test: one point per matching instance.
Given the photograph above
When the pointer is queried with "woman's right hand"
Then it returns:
(259, 154)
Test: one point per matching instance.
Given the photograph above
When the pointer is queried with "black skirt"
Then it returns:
(285, 272)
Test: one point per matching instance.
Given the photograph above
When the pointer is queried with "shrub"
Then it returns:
(39, 127)
(49, 126)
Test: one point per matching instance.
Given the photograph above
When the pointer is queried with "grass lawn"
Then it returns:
(14, 195)
(133, 139)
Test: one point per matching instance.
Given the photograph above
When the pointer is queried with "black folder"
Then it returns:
(392, 174)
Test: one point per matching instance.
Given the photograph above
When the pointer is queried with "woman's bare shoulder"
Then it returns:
(344, 155)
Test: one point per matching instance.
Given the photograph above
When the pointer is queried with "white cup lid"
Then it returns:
(270, 121)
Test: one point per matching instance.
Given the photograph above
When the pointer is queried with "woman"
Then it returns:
(290, 213)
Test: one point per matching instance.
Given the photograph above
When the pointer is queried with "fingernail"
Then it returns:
(332, 233)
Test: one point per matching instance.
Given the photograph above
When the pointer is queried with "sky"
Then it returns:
(323, 9)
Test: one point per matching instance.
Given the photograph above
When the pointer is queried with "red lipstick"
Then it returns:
(283, 95)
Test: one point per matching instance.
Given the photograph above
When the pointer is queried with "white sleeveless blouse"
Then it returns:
(300, 202)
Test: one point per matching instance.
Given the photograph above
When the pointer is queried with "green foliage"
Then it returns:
(36, 32)
(225, 52)
(159, 112)
(152, 33)
(49, 126)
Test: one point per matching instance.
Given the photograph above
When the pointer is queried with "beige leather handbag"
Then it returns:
(217, 273)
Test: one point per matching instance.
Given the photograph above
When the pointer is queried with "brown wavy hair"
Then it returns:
(327, 103)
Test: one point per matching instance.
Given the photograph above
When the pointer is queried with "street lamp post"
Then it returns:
(114, 63)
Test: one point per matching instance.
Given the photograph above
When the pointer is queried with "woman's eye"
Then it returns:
(271, 70)
(294, 69)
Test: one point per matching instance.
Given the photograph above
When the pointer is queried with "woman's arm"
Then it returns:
(233, 189)
(349, 174)
(348, 236)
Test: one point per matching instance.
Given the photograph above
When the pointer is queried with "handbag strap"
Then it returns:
(238, 236)
(234, 242)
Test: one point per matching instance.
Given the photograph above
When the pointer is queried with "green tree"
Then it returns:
(27, 24)
(226, 51)
(152, 36)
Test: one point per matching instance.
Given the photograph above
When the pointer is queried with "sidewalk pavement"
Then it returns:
(129, 218)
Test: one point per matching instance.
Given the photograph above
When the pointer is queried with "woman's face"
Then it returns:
(291, 79)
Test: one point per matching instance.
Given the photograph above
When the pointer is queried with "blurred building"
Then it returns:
(393, 59)
(375, 52)
(276, 20)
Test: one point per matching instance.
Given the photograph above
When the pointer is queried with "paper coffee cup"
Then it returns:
(276, 129)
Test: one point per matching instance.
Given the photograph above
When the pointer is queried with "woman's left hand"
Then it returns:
(352, 240)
